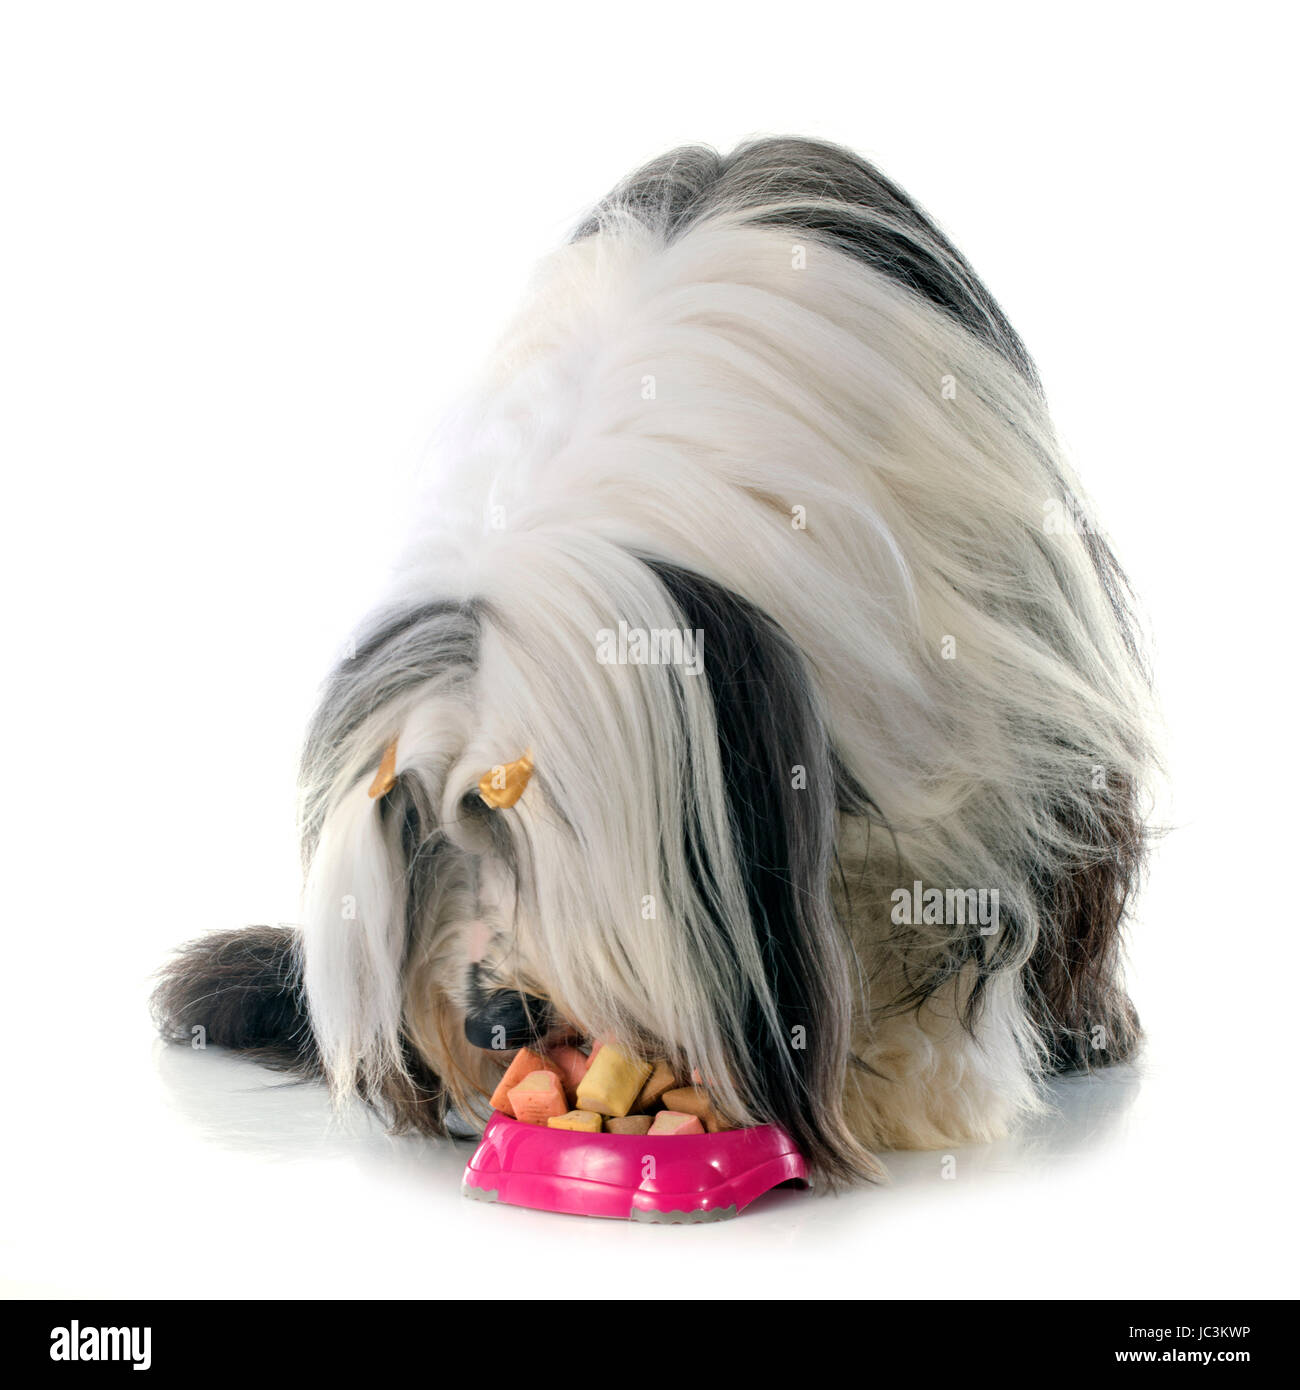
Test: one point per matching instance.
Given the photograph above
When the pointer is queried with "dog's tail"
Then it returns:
(243, 989)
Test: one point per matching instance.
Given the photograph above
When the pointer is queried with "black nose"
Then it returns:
(503, 1019)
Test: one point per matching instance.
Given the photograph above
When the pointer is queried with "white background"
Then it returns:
(249, 251)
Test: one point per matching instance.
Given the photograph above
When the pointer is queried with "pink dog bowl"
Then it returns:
(693, 1177)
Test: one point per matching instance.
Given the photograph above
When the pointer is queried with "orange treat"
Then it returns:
(585, 1120)
(661, 1080)
(673, 1122)
(690, 1100)
(628, 1124)
(538, 1097)
(523, 1062)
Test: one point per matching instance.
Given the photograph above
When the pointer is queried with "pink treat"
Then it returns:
(674, 1122)
(572, 1065)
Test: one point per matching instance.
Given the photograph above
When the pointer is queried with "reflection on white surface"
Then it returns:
(226, 1179)
(239, 1105)
(140, 1169)
(1087, 1113)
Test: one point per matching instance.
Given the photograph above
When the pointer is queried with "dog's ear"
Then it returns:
(779, 776)
(376, 750)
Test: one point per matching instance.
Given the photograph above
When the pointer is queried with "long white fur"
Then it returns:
(683, 400)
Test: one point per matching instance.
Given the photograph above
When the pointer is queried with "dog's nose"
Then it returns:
(503, 1019)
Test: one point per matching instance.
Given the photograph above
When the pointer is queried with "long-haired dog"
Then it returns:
(755, 691)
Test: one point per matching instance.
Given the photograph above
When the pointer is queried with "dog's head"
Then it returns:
(662, 879)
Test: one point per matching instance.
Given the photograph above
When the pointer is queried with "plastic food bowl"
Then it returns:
(693, 1177)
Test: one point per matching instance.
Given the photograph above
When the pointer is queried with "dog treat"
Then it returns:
(538, 1097)
(628, 1124)
(661, 1079)
(521, 1064)
(673, 1122)
(566, 1062)
(613, 1081)
(573, 1066)
(564, 1088)
(585, 1120)
(691, 1100)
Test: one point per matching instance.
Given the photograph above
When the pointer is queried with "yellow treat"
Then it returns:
(585, 1120)
(612, 1082)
